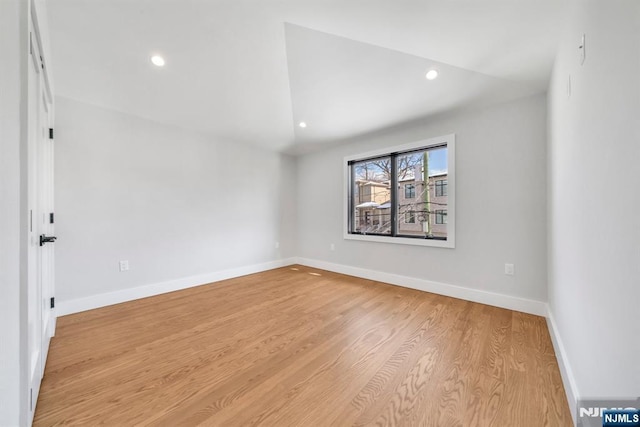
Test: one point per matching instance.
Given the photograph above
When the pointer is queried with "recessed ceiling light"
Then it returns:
(302, 124)
(431, 75)
(157, 60)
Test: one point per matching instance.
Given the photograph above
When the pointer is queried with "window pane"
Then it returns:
(425, 173)
(371, 196)
(441, 216)
(441, 187)
(410, 217)
(409, 191)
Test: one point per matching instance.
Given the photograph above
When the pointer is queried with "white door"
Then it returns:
(40, 278)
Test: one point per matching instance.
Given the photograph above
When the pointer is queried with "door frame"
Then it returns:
(39, 176)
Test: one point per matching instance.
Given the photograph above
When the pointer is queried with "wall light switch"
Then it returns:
(332, 247)
(277, 245)
(124, 265)
(509, 269)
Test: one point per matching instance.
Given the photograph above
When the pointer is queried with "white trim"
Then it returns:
(450, 140)
(524, 305)
(568, 379)
(45, 67)
(124, 295)
(401, 240)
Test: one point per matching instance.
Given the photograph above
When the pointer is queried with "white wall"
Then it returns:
(171, 202)
(500, 203)
(13, 19)
(594, 201)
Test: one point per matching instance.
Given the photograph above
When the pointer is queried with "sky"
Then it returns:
(438, 161)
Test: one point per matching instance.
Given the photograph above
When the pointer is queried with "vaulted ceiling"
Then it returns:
(250, 71)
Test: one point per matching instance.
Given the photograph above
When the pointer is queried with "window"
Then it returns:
(441, 216)
(371, 193)
(441, 187)
(410, 217)
(409, 191)
(402, 194)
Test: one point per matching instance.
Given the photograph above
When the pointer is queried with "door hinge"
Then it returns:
(50, 133)
(53, 302)
(51, 218)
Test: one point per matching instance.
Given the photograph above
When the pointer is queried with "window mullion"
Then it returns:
(394, 195)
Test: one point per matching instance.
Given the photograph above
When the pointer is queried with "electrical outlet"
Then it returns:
(124, 265)
(509, 269)
(277, 245)
(332, 247)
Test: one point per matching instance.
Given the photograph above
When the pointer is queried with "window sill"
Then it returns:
(449, 243)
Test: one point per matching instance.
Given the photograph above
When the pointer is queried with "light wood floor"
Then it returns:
(302, 347)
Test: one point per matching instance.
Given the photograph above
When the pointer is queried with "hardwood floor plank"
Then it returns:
(378, 391)
(398, 401)
(366, 352)
(299, 346)
(287, 367)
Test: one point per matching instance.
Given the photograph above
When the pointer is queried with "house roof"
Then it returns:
(379, 184)
(368, 205)
(431, 175)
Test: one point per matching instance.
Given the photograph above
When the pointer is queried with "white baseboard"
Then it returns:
(568, 379)
(524, 305)
(124, 295)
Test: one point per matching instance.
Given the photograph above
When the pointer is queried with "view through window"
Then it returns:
(402, 194)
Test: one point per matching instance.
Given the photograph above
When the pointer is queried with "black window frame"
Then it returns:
(442, 214)
(394, 189)
(352, 180)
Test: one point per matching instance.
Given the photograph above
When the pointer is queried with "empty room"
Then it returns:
(320, 213)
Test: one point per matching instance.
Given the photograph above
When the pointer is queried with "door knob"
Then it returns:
(46, 239)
